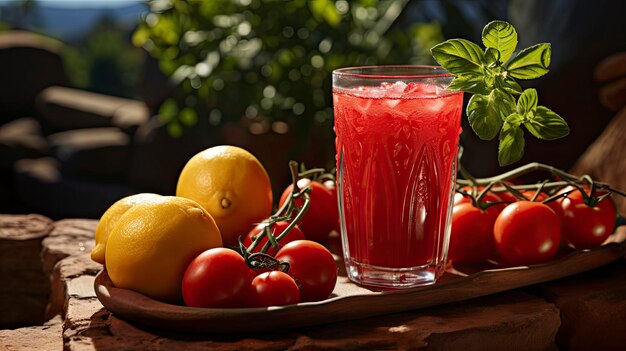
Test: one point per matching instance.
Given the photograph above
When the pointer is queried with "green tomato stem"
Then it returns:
(533, 167)
(294, 221)
(311, 171)
(262, 259)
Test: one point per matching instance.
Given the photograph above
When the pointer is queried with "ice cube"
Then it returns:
(369, 92)
(395, 90)
(363, 105)
(392, 102)
(424, 89)
(434, 105)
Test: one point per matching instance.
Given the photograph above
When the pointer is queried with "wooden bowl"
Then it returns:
(349, 301)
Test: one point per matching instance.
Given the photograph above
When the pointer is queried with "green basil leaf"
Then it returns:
(511, 86)
(505, 103)
(483, 117)
(502, 36)
(531, 62)
(459, 56)
(514, 119)
(527, 101)
(487, 112)
(471, 83)
(492, 57)
(546, 124)
(511, 147)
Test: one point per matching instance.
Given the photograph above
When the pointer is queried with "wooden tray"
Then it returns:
(349, 301)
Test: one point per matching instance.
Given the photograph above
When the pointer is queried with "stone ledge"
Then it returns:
(44, 337)
(24, 287)
(511, 320)
(69, 238)
(593, 308)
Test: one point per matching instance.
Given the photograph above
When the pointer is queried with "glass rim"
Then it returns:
(386, 72)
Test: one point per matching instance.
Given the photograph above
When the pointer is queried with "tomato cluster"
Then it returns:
(225, 278)
(523, 232)
(323, 214)
(221, 278)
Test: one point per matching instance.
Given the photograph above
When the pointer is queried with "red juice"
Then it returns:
(396, 158)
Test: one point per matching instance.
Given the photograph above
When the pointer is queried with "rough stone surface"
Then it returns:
(73, 290)
(512, 321)
(45, 337)
(69, 237)
(593, 308)
(24, 289)
(72, 277)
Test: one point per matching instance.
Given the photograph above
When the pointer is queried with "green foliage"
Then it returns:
(272, 59)
(531, 62)
(502, 37)
(103, 61)
(486, 113)
(490, 75)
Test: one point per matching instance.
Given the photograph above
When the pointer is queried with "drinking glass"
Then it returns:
(397, 134)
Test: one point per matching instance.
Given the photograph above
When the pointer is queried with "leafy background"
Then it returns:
(271, 61)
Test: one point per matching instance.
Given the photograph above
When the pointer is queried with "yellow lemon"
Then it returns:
(110, 218)
(152, 244)
(232, 185)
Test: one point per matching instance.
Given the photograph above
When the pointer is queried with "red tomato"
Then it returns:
(322, 216)
(586, 227)
(278, 228)
(527, 233)
(332, 188)
(530, 193)
(274, 289)
(471, 236)
(217, 278)
(313, 268)
(489, 197)
(507, 196)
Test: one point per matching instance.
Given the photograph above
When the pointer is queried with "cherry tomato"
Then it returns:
(527, 233)
(332, 188)
(586, 227)
(530, 193)
(471, 236)
(322, 216)
(506, 196)
(217, 278)
(274, 288)
(313, 268)
(489, 197)
(278, 228)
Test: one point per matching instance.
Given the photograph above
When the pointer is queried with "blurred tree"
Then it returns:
(104, 60)
(271, 60)
(22, 14)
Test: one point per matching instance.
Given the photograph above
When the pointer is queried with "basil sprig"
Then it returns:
(499, 106)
